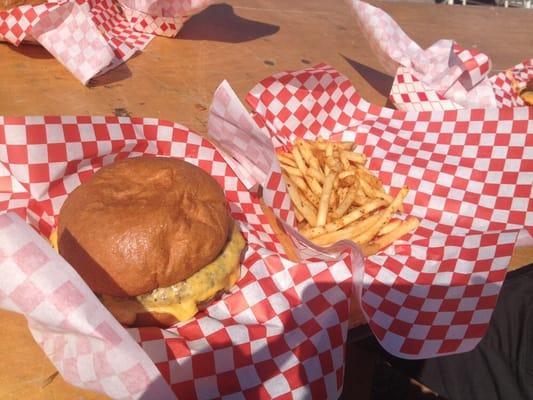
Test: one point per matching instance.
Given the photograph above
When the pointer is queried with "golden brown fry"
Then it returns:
(329, 238)
(348, 181)
(324, 200)
(342, 192)
(346, 173)
(291, 170)
(333, 200)
(334, 164)
(286, 160)
(344, 160)
(299, 160)
(383, 219)
(321, 144)
(362, 225)
(357, 158)
(372, 180)
(345, 220)
(373, 192)
(392, 225)
(308, 155)
(348, 232)
(316, 174)
(330, 162)
(360, 197)
(345, 145)
(304, 189)
(309, 205)
(303, 225)
(410, 224)
(299, 202)
(345, 204)
(366, 189)
(336, 183)
(298, 215)
(329, 150)
(313, 184)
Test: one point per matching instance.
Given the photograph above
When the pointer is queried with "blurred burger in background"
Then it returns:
(527, 93)
(152, 237)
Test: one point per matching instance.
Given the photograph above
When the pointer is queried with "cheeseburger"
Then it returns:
(152, 237)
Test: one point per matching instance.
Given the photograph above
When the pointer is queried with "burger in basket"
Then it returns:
(152, 237)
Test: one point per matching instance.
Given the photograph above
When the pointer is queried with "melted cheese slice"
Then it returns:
(181, 300)
(53, 240)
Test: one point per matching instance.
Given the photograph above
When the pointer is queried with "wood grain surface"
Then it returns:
(241, 41)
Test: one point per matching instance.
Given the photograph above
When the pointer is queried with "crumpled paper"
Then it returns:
(91, 37)
(444, 76)
(507, 85)
(281, 330)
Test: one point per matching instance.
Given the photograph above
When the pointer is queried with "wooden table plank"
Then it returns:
(243, 42)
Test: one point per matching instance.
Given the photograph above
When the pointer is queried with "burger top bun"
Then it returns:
(143, 223)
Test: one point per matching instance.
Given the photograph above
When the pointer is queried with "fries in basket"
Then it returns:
(336, 198)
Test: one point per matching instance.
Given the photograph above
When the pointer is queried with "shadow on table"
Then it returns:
(31, 50)
(117, 74)
(378, 80)
(219, 23)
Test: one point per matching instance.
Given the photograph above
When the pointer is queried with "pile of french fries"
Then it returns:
(336, 198)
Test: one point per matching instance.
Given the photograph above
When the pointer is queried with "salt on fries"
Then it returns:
(336, 198)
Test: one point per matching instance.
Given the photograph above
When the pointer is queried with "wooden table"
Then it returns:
(174, 79)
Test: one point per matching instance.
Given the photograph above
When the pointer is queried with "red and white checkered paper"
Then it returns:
(280, 333)
(410, 94)
(443, 77)
(90, 37)
(470, 174)
(506, 96)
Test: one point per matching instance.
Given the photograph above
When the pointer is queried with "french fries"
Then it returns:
(336, 198)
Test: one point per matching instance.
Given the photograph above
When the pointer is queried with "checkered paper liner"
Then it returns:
(280, 333)
(506, 96)
(410, 94)
(90, 37)
(442, 77)
(470, 174)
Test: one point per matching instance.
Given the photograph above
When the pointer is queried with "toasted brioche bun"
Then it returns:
(141, 224)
